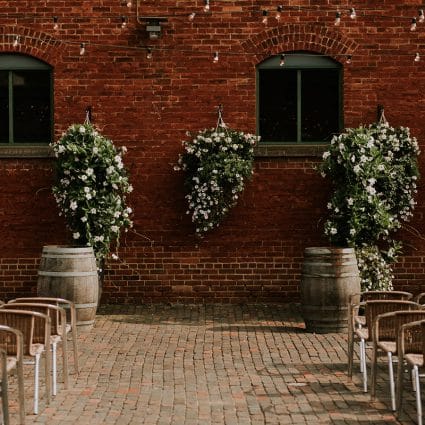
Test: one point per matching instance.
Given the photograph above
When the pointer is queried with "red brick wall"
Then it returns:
(148, 105)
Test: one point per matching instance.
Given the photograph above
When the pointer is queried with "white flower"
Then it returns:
(82, 130)
(73, 205)
(83, 219)
(76, 235)
(86, 189)
(83, 177)
(350, 201)
(326, 155)
(93, 211)
(352, 232)
(333, 231)
(357, 169)
(89, 171)
(114, 229)
(88, 196)
(371, 190)
(95, 150)
(114, 256)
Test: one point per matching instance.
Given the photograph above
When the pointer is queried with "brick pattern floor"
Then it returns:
(200, 365)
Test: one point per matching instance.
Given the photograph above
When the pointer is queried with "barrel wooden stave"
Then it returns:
(71, 273)
(329, 277)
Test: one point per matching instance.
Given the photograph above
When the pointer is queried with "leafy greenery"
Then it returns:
(91, 187)
(374, 173)
(217, 163)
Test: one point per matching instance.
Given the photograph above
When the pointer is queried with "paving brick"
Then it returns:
(212, 365)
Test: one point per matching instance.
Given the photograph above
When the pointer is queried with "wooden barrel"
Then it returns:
(329, 277)
(71, 273)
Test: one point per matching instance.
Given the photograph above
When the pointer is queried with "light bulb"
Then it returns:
(215, 57)
(149, 54)
(353, 14)
(82, 49)
(282, 60)
(191, 17)
(123, 21)
(279, 13)
(207, 6)
(16, 41)
(417, 57)
(129, 4)
(337, 18)
(413, 24)
(265, 19)
(421, 15)
(348, 59)
(55, 23)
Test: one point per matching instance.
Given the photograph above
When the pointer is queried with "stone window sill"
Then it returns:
(265, 150)
(12, 151)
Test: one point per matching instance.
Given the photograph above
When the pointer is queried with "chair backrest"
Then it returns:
(35, 327)
(11, 341)
(376, 307)
(380, 295)
(57, 314)
(68, 305)
(387, 326)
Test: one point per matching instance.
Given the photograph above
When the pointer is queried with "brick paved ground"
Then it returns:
(187, 365)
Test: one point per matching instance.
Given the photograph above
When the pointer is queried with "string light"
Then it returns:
(282, 60)
(129, 4)
(215, 57)
(417, 57)
(421, 15)
(207, 6)
(82, 49)
(279, 12)
(413, 24)
(123, 21)
(16, 41)
(55, 23)
(191, 17)
(265, 18)
(353, 14)
(149, 53)
(337, 18)
(348, 59)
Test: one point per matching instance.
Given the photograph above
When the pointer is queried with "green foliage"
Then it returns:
(374, 172)
(217, 163)
(91, 187)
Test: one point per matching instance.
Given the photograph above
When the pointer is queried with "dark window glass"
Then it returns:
(31, 106)
(4, 107)
(320, 104)
(299, 101)
(278, 100)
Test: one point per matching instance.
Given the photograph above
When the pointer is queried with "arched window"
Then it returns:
(25, 101)
(299, 98)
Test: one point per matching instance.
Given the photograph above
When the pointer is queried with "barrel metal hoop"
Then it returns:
(67, 274)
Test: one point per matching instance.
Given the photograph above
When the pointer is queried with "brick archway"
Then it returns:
(291, 37)
(40, 45)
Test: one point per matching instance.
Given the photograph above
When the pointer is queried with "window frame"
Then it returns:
(12, 62)
(300, 60)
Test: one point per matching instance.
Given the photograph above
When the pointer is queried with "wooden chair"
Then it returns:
(386, 330)
(35, 328)
(12, 348)
(411, 346)
(71, 324)
(373, 309)
(357, 319)
(57, 335)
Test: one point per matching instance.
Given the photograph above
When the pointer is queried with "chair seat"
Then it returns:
(11, 363)
(36, 349)
(388, 346)
(414, 359)
(363, 333)
(55, 339)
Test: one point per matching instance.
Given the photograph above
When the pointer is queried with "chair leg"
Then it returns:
(373, 367)
(65, 369)
(5, 396)
(21, 393)
(363, 364)
(350, 353)
(75, 349)
(418, 394)
(400, 376)
(362, 350)
(36, 382)
(54, 369)
(391, 376)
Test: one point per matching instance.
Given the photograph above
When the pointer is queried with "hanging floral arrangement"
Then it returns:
(91, 187)
(217, 163)
(374, 173)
